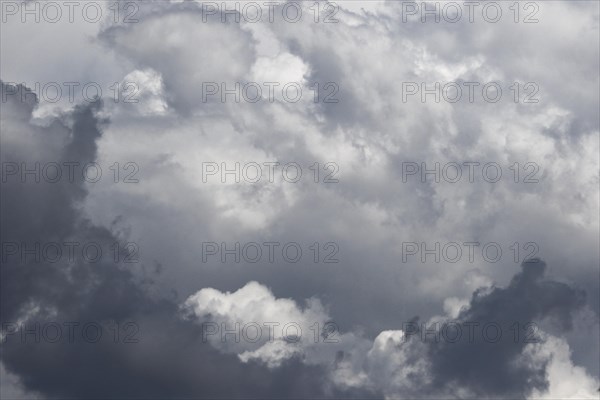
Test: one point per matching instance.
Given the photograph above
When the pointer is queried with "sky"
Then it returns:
(300, 199)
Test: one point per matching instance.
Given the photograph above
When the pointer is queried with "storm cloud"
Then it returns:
(394, 235)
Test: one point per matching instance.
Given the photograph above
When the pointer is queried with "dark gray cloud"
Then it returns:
(169, 360)
(489, 364)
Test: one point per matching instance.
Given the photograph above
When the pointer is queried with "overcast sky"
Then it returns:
(300, 199)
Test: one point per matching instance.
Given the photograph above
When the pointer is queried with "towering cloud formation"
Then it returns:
(187, 324)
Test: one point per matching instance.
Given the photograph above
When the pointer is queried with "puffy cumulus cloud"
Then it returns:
(173, 40)
(423, 360)
(254, 324)
(528, 298)
(475, 363)
(565, 380)
(284, 67)
(146, 89)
